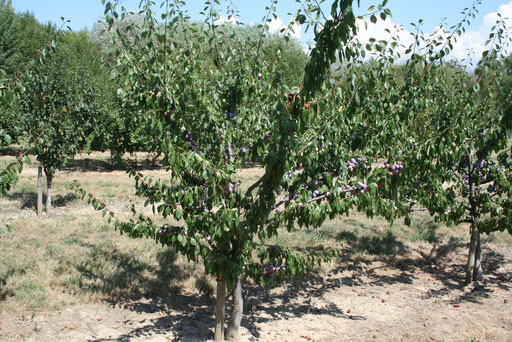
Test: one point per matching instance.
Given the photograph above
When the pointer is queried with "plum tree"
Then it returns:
(208, 117)
(60, 103)
(22, 41)
(365, 138)
(456, 139)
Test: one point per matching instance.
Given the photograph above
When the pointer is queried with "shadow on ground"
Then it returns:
(191, 317)
(106, 165)
(28, 199)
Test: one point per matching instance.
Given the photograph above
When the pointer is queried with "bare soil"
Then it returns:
(373, 301)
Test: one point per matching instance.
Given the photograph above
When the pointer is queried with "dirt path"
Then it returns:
(359, 302)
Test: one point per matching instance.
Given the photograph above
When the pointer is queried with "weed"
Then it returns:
(52, 251)
(346, 236)
(105, 228)
(204, 285)
(72, 240)
(33, 293)
(424, 231)
(380, 245)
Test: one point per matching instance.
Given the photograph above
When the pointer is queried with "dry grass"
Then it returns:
(72, 256)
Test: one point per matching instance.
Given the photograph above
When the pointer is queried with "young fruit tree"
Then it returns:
(25, 46)
(457, 142)
(215, 103)
(59, 106)
(23, 42)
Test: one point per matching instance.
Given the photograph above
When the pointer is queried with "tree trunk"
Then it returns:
(470, 268)
(49, 178)
(220, 309)
(236, 312)
(39, 190)
(477, 271)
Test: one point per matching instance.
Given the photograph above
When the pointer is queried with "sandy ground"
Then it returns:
(374, 301)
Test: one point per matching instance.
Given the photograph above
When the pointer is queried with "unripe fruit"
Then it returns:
(260, 76)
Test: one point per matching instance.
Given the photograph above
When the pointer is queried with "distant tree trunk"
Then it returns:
(155, 158)
(474, 265)
(114, 155)
(49, 179)
(39, 190)
(477, 271)
(220, 309)
(470, 268)
(235, 317)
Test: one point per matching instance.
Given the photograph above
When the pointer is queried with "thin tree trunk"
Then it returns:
(236, 312)
(477, 271)
(220, 310)
(39, 190)
(472, 253)
(49, 178)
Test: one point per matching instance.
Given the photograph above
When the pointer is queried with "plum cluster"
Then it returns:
(189, 137)
(298, 171)
(231, 114)
(271, 270)
(482, 167)
(291, 96)
(314, 195)
(353, 163)
(395, 169)
(492, 188)
(164, 231)
(362, 188)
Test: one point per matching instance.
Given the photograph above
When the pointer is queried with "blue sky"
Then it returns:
(84, 13)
